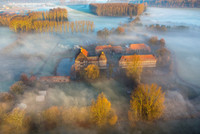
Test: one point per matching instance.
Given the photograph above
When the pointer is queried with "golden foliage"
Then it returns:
(5, 19)
(3, 108)
(92, 71)
(134, 69)
(14, 121)
(140, 8)
(113, 119)
(117, 9)
(75, 116)
(101, 112)
(53, 21)
(147, 103)
(51, 117)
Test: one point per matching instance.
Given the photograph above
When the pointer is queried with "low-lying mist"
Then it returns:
(34, 53)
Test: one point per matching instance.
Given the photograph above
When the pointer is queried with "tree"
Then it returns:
(101, 112)
(147, 103)
(6, 97)
(117, 9)
(103, 33)
(92, 71)
(2, 111)
(24, 78)
(75, 116)
(163, 57)
(153, 40)
(134, 69)
(51, 117)
(162, 42)
(17, 88)
(14, 121)
(120, 30)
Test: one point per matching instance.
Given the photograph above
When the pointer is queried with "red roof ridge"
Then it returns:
(142, 57)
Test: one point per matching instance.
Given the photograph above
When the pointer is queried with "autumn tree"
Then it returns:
(78, 116)
(6, 97)
(2, 111)
(162, 42)
(92, 71)
(17, 88)
(101, 112)
(14, 121)
(120, 30)
(104, 33)
(24, 78)
(51, 117)
(6, 103)
(134, 69)
(163, 57)
(153, 40)
(147, 103)
(117, 9)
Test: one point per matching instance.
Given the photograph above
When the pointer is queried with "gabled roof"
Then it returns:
(102, 56)
(81, 56)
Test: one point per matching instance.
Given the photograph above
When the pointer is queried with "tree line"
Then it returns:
(117, 9)
(105, 33)
(56, 14)
(51, 26)
(54, 20)
(174, 3)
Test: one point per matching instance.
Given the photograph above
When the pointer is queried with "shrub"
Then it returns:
(17, 88)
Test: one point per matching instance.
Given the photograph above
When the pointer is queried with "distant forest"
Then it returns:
(170, 3)
(55, 20)
(117, 9)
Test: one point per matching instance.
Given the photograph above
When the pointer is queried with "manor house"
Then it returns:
(83, 60)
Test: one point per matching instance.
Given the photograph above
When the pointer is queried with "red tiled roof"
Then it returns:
(139, 46)
(114, 48)
(141, 57)
(102, 47)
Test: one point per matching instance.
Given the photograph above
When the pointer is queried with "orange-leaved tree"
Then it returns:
(101, 112)
(147, 103)
(134, 69)
(51, 117)
(14, 121)
(92, 71)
